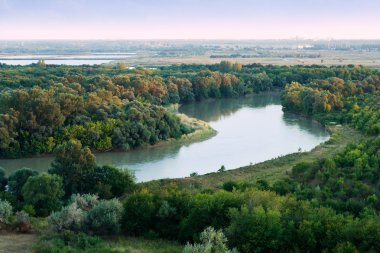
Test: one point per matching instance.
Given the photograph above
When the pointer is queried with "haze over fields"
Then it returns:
(189, 19)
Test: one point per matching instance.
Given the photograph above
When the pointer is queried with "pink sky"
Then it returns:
(189, 19)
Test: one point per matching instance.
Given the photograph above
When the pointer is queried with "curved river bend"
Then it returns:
(250, 130)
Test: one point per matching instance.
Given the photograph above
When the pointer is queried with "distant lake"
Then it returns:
(250, 130)
(83, 59)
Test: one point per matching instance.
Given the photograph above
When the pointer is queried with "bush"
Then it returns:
(262, 184)
(70, 217)
(70, 242)
(10, 197)
(212, 241)
(109, 182)
(88, 214)
(104, 218)
(29, 209)
(22, 222)
(5, 211)
(255, 230)
(84, 201)
(3, 179)
(230, 186)
(17, 180)
(44, 192)
(206, 210)
(135, 221)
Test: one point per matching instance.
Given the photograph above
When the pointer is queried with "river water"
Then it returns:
(250, 130)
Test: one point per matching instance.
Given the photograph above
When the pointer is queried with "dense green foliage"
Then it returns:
(254, 221)
(348, 183)
(88, 214)
(73, 171)
(77, 167)
(5, 211)
(334, 100)
(42, 107)
(44, 192)
(331, 205)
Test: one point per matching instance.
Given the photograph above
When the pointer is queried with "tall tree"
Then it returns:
(73, 163)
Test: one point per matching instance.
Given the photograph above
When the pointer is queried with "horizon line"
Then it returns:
(187, 39)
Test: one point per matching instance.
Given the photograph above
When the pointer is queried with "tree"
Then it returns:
(3, 179)
(109, 182)
(17, 180)
(255, 230)
(44, 192)
(135, 221)
(74, 164)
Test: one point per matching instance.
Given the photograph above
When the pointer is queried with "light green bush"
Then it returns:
(5, 211)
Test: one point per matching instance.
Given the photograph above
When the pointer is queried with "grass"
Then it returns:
(16, 242)
(22, 243)
(140, 245)
(270, 170)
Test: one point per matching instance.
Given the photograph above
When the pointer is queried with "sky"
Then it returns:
(189, 19)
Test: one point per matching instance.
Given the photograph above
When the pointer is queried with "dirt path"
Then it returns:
(20, 243)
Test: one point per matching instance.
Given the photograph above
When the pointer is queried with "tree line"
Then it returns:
(331, 205)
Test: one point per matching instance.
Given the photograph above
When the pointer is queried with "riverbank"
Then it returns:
(270, 170)
(202, 131)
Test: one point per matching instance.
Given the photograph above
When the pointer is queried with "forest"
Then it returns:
(330, 205)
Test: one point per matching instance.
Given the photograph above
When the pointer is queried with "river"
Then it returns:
(250, 130)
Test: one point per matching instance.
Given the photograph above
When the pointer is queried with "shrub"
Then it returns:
(10, 197)
(87, 214)
(346, 247)
(22, 222)
(70, 242)
(212, 241)
(206, 210)
(255, 230)
(262, 184)
(104, 218)
(69, 218)
(230, 186)
(17, 180)
(3, 179)
(5, 211)
(139, 213)
(109, 182)
(44, 192)
(29, 209)
(84, 201)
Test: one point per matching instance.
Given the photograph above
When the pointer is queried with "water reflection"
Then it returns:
(250, 130)
(213, 110)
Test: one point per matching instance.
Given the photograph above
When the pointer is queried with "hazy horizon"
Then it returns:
(189, 19)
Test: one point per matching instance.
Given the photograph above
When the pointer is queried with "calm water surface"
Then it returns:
(86, 59)
(250, 130)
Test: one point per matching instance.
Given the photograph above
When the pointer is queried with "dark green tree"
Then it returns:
(74, 164)
(17, 180)
(44, 192)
